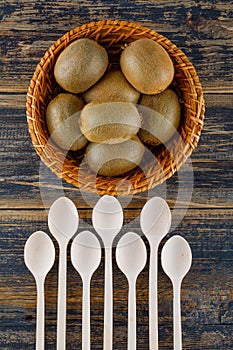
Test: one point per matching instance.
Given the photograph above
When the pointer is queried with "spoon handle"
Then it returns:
(153, 299)
(177, 331)
(86, 343)
(61, 307)
(132, 325)
(40, 316)
(108, 300)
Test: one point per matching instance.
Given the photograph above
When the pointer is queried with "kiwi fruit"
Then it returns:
(63, 121)
(147, 66)
(112, 86)
(80, 65)
(116, 159)
(110, 122)
(161, 117)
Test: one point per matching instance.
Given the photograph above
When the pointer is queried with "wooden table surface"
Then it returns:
(204, 31)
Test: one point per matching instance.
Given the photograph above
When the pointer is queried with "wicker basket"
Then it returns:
(71, 167)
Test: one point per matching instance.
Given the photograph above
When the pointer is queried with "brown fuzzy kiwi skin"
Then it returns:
(80, 65)
(147, 66)
(161, 108)
(114, 160)
(110, 121)
(112, 86)
(61, 127)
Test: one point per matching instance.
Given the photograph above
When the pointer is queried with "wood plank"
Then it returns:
(203, 31)
(212, 163)
(209, 231)
(206, 290)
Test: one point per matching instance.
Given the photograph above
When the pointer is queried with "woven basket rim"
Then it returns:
(107, 185)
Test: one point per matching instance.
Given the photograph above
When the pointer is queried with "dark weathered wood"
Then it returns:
(206, 292)
(208, 231)
(203, 31)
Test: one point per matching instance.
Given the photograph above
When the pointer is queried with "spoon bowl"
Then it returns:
(39, 254)
(86, 253)
(107, 219)
(155, 219)
(176, 258)
(131, 255)
(63, 220)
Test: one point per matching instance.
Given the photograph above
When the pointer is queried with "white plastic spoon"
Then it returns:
(176, 258)
(86, 257)
(107, 219)
(131, 258)
(63, 223)
(155, 223)
(39, 256)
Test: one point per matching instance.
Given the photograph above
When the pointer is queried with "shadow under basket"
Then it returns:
(161, 162)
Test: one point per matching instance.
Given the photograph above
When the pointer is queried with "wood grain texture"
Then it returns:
(206, 293)
(204, 31)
